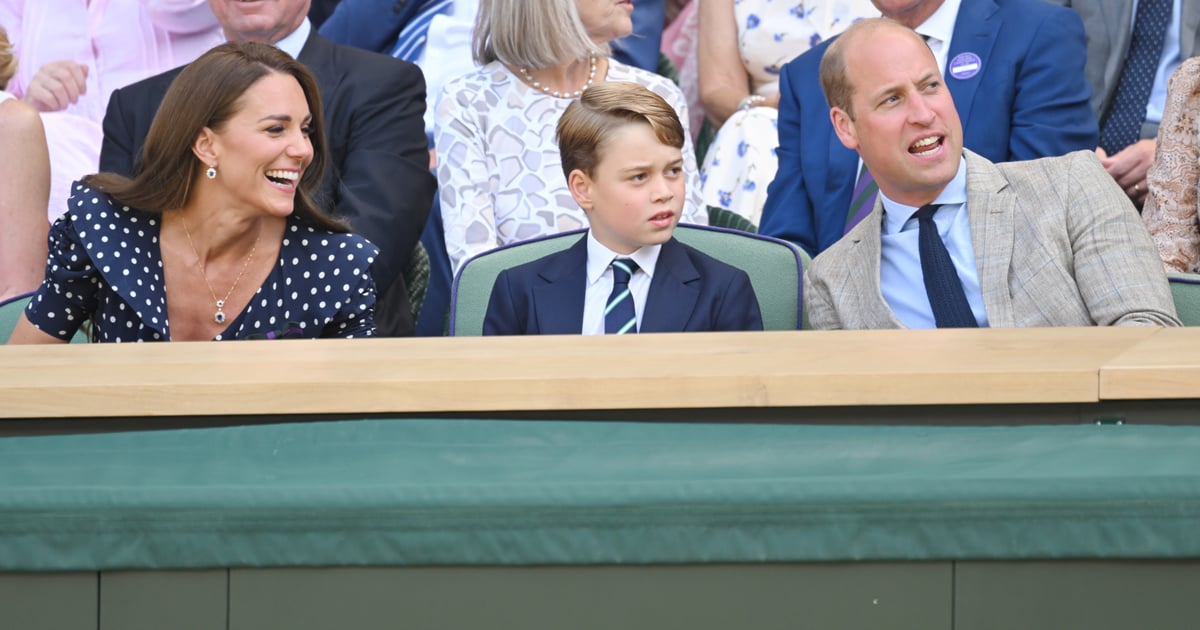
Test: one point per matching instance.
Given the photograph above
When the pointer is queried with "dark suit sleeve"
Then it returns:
(1051, 114)
(739, 308)
(788, 213)
(502, 317)
(117, 152)
(384, 186)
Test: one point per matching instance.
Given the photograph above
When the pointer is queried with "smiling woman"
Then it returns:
(218, 237)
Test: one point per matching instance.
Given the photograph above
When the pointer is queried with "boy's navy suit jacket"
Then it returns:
(691, 291)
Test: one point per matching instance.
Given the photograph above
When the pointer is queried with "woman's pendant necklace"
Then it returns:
(219, 316)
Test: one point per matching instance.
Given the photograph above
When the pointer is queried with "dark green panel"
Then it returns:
(153, 600)
(48, 601)
(764, 597)
(1163, 595)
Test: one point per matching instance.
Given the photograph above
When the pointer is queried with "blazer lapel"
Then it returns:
(673, 291)
(860, 291)
(990, 207)
(558, 300)
(974, 34)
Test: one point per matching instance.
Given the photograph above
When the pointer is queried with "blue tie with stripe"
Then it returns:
(619, 315)
(411, 42)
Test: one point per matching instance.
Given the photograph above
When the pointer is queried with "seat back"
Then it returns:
(1185, 288)
(472, 286)
(775, 268)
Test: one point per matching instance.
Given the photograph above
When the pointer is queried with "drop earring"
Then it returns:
(211, 173)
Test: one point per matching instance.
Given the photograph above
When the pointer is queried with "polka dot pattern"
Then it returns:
(105, 265)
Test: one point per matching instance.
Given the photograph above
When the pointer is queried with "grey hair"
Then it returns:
(531, 33)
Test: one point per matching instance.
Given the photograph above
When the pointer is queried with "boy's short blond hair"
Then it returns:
(605, 107)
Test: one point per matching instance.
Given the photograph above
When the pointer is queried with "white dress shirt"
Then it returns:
(600, 282)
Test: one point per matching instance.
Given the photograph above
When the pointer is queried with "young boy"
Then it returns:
(621, 148)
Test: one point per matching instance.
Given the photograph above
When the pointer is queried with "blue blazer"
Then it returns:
(1029, 100)
(690, 292)
(370, 24)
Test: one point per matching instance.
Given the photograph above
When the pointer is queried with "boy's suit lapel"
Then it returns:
(673, 291)
(558, 301)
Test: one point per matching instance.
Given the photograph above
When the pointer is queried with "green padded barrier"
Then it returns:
(479, 492)
(1185, 288)
(774, 268)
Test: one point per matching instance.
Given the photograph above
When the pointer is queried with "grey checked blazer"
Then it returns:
(1057, 243)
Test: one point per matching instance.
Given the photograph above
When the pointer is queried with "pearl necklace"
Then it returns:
(219, 316)
(555, 93)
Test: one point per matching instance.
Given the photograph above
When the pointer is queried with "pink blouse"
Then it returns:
(1174, 178)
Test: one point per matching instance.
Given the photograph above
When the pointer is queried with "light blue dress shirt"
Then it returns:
(900, 277)
(1167, 64)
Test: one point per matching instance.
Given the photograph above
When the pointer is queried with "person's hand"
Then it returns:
(57, 85)
(772, 101)
(1128, 168)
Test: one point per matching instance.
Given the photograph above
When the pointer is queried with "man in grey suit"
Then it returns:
(1110, 29)
(955, 240)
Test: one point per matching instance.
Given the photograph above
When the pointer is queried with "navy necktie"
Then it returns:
(619, 315)
(946, 295)
(411, 41)
(1123, 124)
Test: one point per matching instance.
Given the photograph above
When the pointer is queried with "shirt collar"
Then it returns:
(294, 42)
(940, 25)
(896, 214)
(600, 257)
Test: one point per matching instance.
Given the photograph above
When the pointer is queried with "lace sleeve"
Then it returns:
(1170, 212)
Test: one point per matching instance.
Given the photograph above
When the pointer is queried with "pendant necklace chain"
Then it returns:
(219, 316)
(524, 72)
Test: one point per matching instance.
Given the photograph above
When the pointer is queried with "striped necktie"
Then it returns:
(862, 200)
(411, 42)
(619, 315)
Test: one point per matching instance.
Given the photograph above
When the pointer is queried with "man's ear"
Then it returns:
(580, 186)
(843, 125)
(205, 147)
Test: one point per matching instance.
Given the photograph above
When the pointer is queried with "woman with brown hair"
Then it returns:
(217, 238)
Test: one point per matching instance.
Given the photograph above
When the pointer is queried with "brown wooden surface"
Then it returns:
(665, 371)
(1163, 366)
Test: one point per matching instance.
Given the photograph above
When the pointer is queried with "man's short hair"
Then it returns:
(589, 122)
(835, 84)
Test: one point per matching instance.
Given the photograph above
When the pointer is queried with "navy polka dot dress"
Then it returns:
(105, 264)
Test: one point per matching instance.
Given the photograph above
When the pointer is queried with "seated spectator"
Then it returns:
(220, 240)
(378, 180)
(1132, 50)
(622, 155)
(498, 167)
(25, 190)
(955, 240)
(1021, 89)
(1174, 179)
(73, 55)
(745, 46)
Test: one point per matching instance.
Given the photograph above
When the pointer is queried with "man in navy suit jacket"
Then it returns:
(622, 154)
(1015, 69)
(378, 177)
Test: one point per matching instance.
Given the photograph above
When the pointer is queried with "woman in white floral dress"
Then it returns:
(745, 43)
(499, 173)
